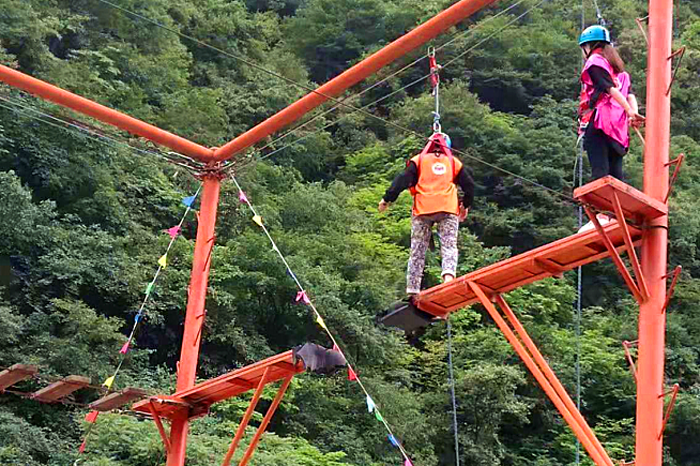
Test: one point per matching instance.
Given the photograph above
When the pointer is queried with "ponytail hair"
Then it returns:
(611, 55)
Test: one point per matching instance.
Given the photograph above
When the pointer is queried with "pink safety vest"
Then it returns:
(610, 117)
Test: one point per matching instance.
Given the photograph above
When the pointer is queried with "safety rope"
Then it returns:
(435, 84)
(71, 127)
(452, 389)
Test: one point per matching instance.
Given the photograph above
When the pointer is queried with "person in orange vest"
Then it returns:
(433, 177)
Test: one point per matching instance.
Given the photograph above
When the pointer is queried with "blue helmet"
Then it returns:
(594, 34)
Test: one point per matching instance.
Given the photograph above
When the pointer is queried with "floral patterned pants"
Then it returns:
(421, 229)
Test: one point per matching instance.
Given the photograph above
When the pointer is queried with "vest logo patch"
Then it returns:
(439, 168)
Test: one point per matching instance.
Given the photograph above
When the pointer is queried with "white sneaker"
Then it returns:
(602, 219)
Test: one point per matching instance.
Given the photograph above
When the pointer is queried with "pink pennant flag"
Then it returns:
(352, 376)
(91, 416)
(242, 197)
(301, 297)
(82, 447)
(125, 348)
(407, 462)
(173, 232)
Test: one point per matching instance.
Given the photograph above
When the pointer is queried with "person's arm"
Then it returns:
(403, 181)
(465, 181)
(602, 81)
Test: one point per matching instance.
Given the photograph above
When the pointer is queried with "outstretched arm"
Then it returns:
(403, 181)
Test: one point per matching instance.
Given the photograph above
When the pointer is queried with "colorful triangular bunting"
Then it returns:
(370, 404)
(188, 201)
(173, 231)
(91, 416)
(163, 261)
(393, 440)
(125, 348)
(258, 219)
(108, 383)
(352, 376)
(242, 197)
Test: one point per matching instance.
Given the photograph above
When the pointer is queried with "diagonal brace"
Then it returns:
(674, 395)
(628, 354)
(246, 418)
(159, 425)
(672, 288)
(582, 431)
(266, 420)
(615, 256)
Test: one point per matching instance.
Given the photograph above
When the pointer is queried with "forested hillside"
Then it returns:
(83, 208)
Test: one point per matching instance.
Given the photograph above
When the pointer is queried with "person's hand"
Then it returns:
(463, 211)
(636, 120)
(383, 205)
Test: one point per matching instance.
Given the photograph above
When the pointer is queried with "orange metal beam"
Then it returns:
(549, 373)
(246, 418)
(417, 37)
(105, 114)
(191, 338)
(159, 425)
(265, 422)
(539, 376)
(652, 319)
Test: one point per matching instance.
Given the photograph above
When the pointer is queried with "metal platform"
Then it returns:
(636, 206)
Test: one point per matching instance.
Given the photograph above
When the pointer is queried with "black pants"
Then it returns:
(604, 154)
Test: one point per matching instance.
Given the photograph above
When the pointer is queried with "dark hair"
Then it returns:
(611, 55)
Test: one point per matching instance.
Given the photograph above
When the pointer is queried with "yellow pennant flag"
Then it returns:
(258, 219)
(320, 322)
(163, 261)
(108, 383)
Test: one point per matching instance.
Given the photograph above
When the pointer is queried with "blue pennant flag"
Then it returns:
(188, 201)
(137, 318)
(393, 441)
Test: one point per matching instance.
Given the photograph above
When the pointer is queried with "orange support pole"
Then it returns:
(652, 319)
(553, 379)
(105, 114)
(403, 45)
(266, 420)
(539, 376)
(246, 418)
(189, 354)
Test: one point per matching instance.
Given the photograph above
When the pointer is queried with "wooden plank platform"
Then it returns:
(546, 261)
(118, 399)
(198, 398)
(636, 205)
(16, 374)
(60, 389)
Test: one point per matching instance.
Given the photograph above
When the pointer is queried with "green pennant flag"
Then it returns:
(378, 415)
(149, 288)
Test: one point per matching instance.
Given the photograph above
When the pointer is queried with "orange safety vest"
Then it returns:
(435, 190)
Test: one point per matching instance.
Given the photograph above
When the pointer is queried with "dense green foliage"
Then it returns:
(82, 217)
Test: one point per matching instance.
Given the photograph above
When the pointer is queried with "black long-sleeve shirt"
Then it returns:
(409, 178)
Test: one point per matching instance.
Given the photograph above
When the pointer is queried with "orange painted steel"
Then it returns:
(617, 260)
(636, 206)
(159, 425)
(553, 379)
(652, 319)
(105, 114)
(579, 431)
(417, 37)
(194, 317)
(246, 418)
(16, 374)
(265, 422)
(544, 262)
(226, 386)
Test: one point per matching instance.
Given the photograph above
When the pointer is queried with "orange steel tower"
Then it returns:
(487, 285)
(652, 317)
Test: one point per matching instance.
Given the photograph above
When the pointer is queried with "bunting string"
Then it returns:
(303, 298)
(162, 262)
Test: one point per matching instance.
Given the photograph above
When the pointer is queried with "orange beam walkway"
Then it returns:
(544, 262)
(196, 400)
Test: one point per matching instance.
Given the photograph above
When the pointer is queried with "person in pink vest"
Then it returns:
(607, 105)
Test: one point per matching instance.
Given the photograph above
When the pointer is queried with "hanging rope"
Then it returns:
(435, 84)
(452, 389)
